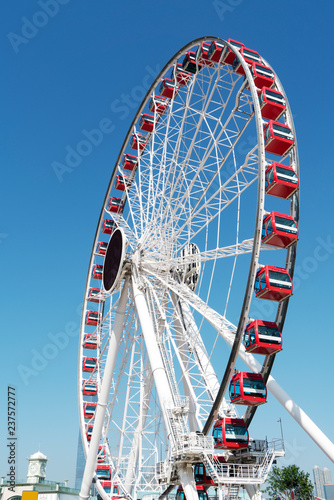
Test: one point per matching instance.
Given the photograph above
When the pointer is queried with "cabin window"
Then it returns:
(281, 131)
(235, 433)
(285, 174)
(263, 283)
(271, 177)
(218, 435)
(273, 96)
(267, 133)
(287, 225)
(251, 55)
(199, 472)
(253, 387)
(268, 331)
(237, 389)
(281, 280)
(238, 45)
(264, 71)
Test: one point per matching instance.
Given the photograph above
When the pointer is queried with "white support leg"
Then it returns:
(220, 491)
(186, 474)
(114, 340)
(291, 407)
(158, 370)
(253, 491)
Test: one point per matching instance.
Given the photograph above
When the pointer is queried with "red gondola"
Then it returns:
(90, 341)
(203, 54)
(89, 410)
(97, 272)
(279, 230)
(202, 476)
(89, 388)
(281, 180)
(168, 88)
(230, 433)
(229, 56)
(101, 248)
(108, 226)
(263, 76)
(262, 337)
(158, 104)
(101, 455)
(146, 122)
(248, 389)
(103, 472)
(215, 51)
(278, 138)
(138, 141)
(250, 56)
(94, 295)
(201, 492)
(111, 489)
(89, 432)
(115, 205)
(93, 318)
(122, 181)
(273, 283)
(180, 76)
(88, 364)
(190, 63)
(129, 162)
(272, 104)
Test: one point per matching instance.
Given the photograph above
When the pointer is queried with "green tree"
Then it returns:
(287, 479)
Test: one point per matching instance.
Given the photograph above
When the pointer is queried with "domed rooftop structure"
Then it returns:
(38, 456)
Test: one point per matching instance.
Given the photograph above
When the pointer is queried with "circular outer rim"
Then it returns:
(282, 308)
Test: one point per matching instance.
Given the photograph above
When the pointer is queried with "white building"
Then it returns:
(47, 490)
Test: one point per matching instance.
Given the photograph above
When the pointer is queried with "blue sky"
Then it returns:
(68, 71)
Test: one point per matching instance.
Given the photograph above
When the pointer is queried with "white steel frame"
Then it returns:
(199, 180)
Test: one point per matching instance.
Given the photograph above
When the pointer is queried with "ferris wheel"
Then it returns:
(200, 220)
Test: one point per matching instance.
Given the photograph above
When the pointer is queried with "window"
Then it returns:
(263, 282)
(281, 131)
(287, 225)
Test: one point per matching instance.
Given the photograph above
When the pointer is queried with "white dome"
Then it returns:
(37, 456)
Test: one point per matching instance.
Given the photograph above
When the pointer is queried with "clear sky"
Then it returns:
(66, 66)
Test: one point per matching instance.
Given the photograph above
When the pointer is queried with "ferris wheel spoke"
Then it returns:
(232, 137)
(220, 199)
(200, 114)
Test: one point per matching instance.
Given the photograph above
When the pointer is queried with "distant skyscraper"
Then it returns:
(321, 478)
(81, 462)
(327, 476)
(319, 481)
